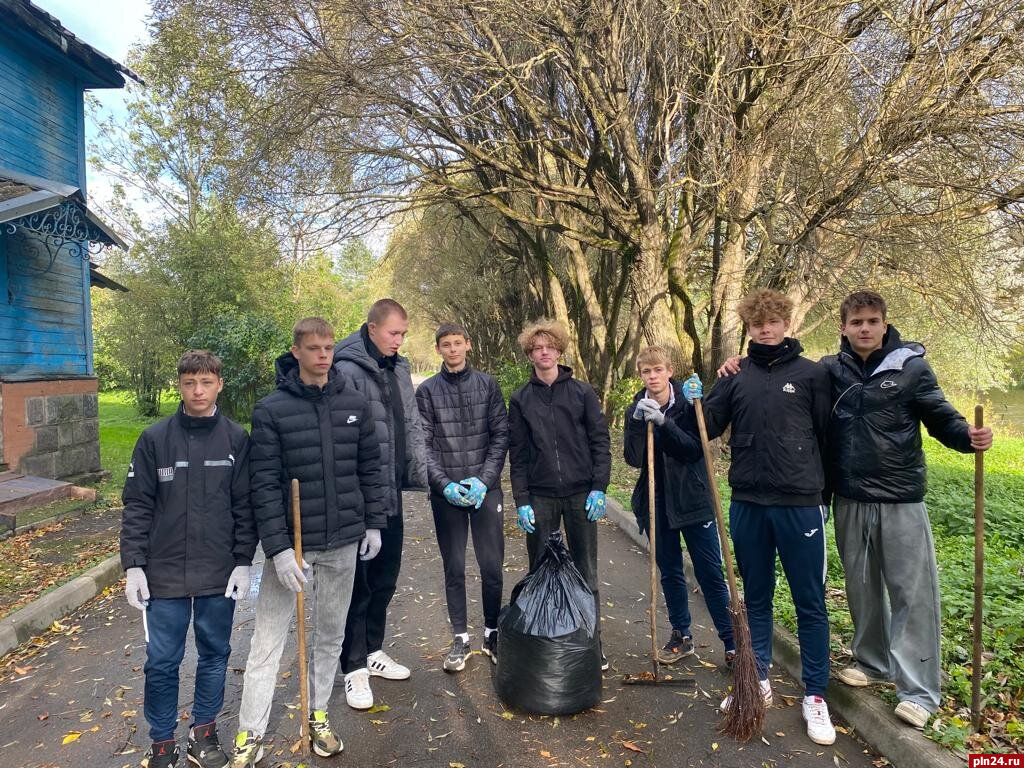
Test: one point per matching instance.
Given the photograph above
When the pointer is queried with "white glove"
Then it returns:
(238, 583)
(370, 545)
(651, 411)
(136, 588)
(288, 571)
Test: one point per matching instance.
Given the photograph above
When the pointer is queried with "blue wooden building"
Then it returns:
(48, 412)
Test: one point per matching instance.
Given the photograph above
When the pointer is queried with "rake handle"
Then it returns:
(300, 622)
(979, 572)
(651, 557)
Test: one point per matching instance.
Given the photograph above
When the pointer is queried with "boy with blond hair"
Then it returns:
(559, 453)
(778, 408)
(682, 502)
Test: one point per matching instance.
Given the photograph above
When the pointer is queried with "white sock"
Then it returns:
(464, 636)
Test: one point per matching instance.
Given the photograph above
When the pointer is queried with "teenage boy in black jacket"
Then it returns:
(778, 408)
(187, 541)
(682, 502)
(316, 428)
(559, 453)
(883, 391)
(465, 424)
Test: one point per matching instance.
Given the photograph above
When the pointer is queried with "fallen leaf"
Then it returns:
(714, 746)
(456, 765)
(545, 753)
(296, 746)
(70, 737)
(507, 715)
(633, 747)
(378, 708)
(22, 670)
(43, 716)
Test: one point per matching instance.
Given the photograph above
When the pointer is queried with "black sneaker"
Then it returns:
(455, 661)
(163, 754)
(678, 646)
(490, 646)
(604, 662)
(204, 747)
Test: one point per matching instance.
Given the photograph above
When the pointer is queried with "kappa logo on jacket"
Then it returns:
(788, 388)
(352, 419)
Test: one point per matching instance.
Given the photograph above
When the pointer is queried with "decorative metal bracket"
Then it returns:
(63, 226)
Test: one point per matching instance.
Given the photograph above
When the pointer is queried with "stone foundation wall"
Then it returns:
(51, 428)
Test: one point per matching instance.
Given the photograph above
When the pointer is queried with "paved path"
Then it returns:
(86, 677)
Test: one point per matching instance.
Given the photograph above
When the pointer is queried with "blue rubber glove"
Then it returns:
(456, 494)
(526, 519)
(693, 389)
(477, 491)
(595, 506)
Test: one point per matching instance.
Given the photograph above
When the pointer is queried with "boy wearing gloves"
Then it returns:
(187, 541)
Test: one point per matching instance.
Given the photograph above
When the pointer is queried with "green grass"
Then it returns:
(950, 502)
(120, 427)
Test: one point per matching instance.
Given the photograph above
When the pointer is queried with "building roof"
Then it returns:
(28, 18)
(23, 196)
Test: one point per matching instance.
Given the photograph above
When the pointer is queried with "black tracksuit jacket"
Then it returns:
(465, 425)
(880, 404)
(325, 438)
(778, 407)
(187, 521)
(558, 439)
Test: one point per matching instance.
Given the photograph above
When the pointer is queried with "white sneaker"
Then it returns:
(819, 725)
(913, 713)
(858, 678)
(357, 689)
(766, 693)
(382, 665)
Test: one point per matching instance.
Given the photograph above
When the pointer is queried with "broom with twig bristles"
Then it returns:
(743, 718)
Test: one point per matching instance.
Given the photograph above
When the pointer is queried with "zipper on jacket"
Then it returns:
(551, 416)
(462, 422)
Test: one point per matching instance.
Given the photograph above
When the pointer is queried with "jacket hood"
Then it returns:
(564, 374)
(353, 349)
(773, 354)
(287, 369)
(891, 356)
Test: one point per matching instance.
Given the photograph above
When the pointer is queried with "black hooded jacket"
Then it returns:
(680, 475)
(778, 407)
(187, 521)
(558, 439)
(325, 438)
(879, 406)
(465, 424)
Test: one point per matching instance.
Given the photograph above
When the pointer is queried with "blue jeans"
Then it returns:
(168, 620)
(797, 534)
(706, 553)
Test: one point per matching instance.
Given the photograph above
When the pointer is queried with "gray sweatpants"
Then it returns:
(330, 591)
(892, 587)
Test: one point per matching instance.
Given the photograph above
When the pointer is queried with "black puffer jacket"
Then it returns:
(778, 407)
(324, 438)
(187, 521)
(879, 406)
(465, 424)
(352, 359)
(558, 439)
(680, 475)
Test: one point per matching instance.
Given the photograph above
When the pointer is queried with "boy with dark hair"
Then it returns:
(318, 429)
(883, 390)
(558, 453)
(369, 359)
(682, 502)
(466, 433)
(187, 541)
(778, 408)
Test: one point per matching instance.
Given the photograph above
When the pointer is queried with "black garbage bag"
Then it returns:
(549, 652)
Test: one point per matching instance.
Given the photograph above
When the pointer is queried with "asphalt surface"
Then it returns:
(75, 698)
